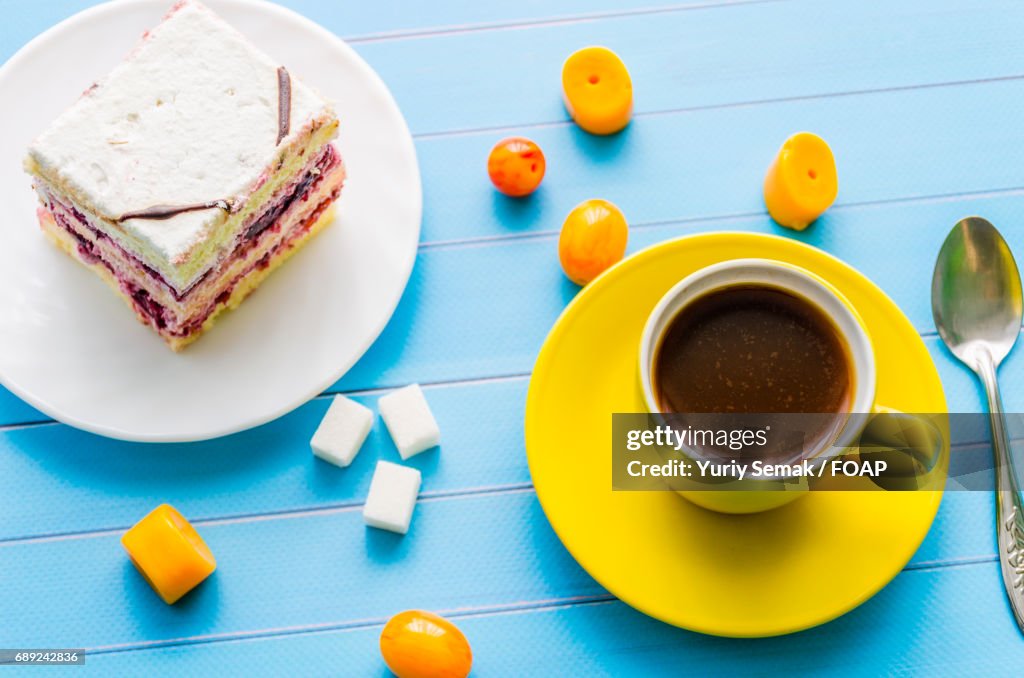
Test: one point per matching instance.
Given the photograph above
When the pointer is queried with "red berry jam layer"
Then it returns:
(273, 232)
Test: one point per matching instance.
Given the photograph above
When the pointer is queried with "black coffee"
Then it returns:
(752, 349)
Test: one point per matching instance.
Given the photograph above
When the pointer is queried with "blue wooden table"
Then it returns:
(923, 104)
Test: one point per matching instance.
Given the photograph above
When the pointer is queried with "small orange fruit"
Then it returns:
(418, 644)
(516, 166)
(597, 90)
(593, 238)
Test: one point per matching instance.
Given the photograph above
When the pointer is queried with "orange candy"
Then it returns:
(516, 166)
(169, 553)
(418, 644)
(593, 238)
(801, 182)
(597, 90)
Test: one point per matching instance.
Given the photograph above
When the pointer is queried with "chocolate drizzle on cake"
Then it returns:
(284, 124)
(284, 103)
(168, 211)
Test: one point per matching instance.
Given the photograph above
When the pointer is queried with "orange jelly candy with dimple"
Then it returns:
(801, 182)
(597, 89)
(418, 644)
(169, 553)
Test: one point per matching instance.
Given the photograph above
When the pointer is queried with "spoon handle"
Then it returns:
(1009, 510)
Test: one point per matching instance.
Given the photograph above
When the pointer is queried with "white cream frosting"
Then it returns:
(190, 116)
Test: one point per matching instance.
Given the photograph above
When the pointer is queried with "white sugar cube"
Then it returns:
(392, 497)
(342, 431)
(409, 420)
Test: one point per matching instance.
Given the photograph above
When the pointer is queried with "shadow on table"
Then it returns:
(894, 628)
(115, 483)
(156, 619)
(379, 361)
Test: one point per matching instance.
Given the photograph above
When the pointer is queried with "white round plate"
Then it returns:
(70, 347)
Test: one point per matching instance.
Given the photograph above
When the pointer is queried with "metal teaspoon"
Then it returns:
(977, 305)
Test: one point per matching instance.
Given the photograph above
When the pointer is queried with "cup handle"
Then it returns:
(911, 445)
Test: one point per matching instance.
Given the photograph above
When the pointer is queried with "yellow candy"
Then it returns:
(169, 553)
(801, 182)
(597, 90)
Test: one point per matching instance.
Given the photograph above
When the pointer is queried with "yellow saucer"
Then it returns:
(731, 575)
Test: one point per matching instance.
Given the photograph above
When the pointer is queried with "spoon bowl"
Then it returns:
(977, 301)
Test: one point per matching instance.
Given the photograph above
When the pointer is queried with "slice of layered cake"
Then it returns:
(189, 173)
